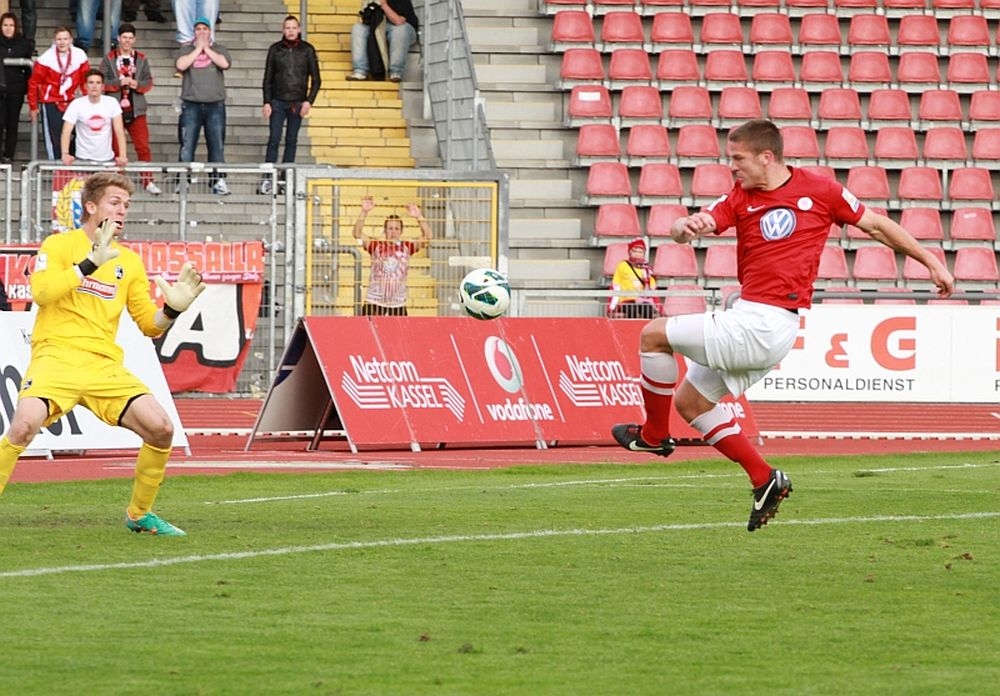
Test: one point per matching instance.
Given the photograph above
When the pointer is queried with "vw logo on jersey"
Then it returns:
(777, 224)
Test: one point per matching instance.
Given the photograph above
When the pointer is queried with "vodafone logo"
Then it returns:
(503, 365)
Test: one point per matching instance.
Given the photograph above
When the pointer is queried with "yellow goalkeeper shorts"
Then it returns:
(97, 382)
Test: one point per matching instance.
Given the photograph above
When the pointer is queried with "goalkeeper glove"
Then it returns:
(102, 251)
(180, 295)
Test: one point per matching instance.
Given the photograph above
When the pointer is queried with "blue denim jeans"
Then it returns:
(212, 117)
(187, 12)
(280, 111)
(86, 18)
(399, 37)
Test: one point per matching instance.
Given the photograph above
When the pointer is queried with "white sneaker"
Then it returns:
(152, 189)
(221, 188)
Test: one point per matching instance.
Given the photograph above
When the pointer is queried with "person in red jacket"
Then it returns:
(56, 80)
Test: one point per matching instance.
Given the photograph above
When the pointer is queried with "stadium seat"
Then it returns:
(987, 8)
(944, 147)
(916, 275)
(819, 31)
(671, 30)
(718, 28)
(969, 32)
(720, 265)
(869, 70)
(697, 143)
(986, 147)
(603, 7)
(918, 32)
(699, 8)
(572, 29)
(617, 220)
(622, 30)
(640, 104)
(921, 184)
(917, 71)
(967, 72)
(708, 182)
(675, 261)
(821, 69)
(660, 182)
(984, 108)
(801, 144)
(771, 67)
(821, 170)
(750, 8)
(596, 142)
(839, 106)
(896, 9)
(789, 106)
(769, 29)
(896, 147)
(972, 226)
(689, 104)
(832, 266)
(939, 107)
(738, 104)
(684, 298)
(975, 265)
(676, 67)
(647, 143)
(614, 253)
(924, 224)
(870, 184)
(847, 8)
(804, 8)
(589, 104)
(888, 107)
(581, 65)
(629, 66)
(870, 30)
(652, 7)
(608, 182)
(550, 7)
(971, 185)
(846, 146)
(662, 216)
(723, 67)
(874, 266)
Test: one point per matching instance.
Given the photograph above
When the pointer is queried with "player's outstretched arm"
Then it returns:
(889, 232)
(178, 296)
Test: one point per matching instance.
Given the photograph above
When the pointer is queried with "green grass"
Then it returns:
(875, 578)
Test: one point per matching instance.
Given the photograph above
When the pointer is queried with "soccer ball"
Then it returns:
(485, 293)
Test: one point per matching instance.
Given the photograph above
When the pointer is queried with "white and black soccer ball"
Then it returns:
(485, 293)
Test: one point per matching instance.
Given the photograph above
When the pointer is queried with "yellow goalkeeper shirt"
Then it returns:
(75, 314)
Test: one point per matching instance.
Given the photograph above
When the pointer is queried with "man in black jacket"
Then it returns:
(291, 83)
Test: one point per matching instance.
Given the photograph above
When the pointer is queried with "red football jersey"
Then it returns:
(780, 234)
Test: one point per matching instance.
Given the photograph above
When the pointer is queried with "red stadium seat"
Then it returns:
(904, 8)
(629, 66)
(768, 29)
(832, 266)
(969, 32)
(846, 146)
(662, 216)
(671, 30)
(699, 8)
(724, 67)
(674, 261)
(896, 147)
(984, 108)
(689, 104)
(647, 143)
(581, 65)
(617, 220)
(622, 30)
(614, 253)
(550, 7)
(967, 72)
(748, 8)
(640, 104)
(588, 104)
(916, 275)
(821, 69)
(986, 147)
(697, 143)
(839, 106)
(846, 8)
(660, 182)
(708, 182)
(923, 224)
(869, 70)
(972, 226)
(685, 298)
(918, 71)
(971, 185)
(988, 8)
(919, 184)
(608, 182)
(603, 7)
(801, 143)
(945, 147)
(868, 30)
(804, 8)
(721, 28)
(596, 142)
(789, 106)
(819, 31)
(652, 7)
(720, 265)
(875, 266)
(918, 32)
(975, 264)
(939, 107)
(870, 184)
(738, 104)
(772, 67)
(677, 66)
(888, 107)
(572, 29)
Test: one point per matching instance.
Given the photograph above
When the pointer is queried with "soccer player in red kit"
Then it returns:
(782, 217)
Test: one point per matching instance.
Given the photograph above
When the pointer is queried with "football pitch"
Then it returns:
(879, 575)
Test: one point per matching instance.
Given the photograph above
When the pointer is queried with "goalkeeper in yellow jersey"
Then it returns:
(82, 281)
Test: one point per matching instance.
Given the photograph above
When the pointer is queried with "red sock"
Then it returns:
(658, 379)
(724, 434)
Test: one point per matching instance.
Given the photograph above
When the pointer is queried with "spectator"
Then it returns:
(203, 98)
(634, 277)
(127, 77)
(291, 83)
(95, 118)
(29, 21)
(187, 11)
(57, 77)
(400, 24)
(15, 83)
(130, 11)
(86, 19)
(390, 260)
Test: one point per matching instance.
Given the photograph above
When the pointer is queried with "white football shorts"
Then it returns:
(728, 351)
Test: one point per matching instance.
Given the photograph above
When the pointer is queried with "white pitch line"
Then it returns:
(473, 538)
